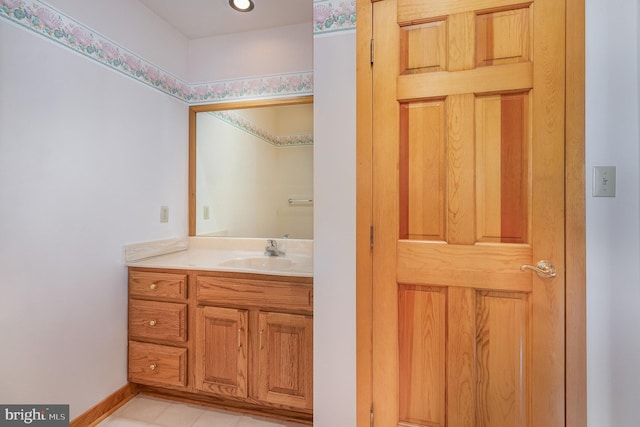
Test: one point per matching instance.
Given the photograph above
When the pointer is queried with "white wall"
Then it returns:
(334, 219)
(613, 267)
(132, 25)
(254, 53)
(87, 157)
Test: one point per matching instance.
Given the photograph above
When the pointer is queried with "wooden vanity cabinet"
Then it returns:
(255, 339)
(158, 329)
(243, 340)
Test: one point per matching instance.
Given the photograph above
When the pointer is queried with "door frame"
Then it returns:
(575, 222)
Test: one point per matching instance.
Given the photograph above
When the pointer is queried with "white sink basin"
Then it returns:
(263, 263)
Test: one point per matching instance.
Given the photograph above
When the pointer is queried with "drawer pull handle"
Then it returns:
(153, 286)
(261, 339)
(152, 323)
(239, 339)
(153, 366)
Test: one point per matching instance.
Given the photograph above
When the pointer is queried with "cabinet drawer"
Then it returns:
(158, 285)
(157, 364)
(254, 293)
(158, 320)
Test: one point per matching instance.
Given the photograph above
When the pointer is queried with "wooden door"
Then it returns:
(467, 187)
(285, 358)
(221, 351)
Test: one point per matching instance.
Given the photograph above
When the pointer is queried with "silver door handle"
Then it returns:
(544, 269)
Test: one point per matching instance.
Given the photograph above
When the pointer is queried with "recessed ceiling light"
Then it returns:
(242, 5)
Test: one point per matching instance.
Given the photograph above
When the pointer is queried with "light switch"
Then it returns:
(164, 214)
(604, 181)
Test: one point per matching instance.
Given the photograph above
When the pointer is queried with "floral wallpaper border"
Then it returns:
(330, 16)
(43, 19)
(254, 88)
(244, 124)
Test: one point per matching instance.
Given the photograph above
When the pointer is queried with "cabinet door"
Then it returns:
(221, 351)
(286, 359)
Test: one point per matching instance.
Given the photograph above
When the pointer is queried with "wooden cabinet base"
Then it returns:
(299, 416)
(237, 341)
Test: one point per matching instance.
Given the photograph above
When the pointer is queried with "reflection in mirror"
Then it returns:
(253, 169)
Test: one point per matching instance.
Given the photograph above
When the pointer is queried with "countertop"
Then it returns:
(223, 254)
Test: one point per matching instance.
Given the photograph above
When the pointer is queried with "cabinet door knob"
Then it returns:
(152, 322)
(153, 366)
(153, 286)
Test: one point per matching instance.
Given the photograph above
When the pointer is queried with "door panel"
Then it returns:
(286, 359)
(422, 345)
(468, 186)
(440, 176)
(423, 150)
(490, 328)
(503, 144)
(503, 37)
(221, 351)
(502, 360)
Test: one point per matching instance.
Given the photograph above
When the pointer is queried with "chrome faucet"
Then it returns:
(272, 248)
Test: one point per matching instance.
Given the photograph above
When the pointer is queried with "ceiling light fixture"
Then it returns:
(242, 5)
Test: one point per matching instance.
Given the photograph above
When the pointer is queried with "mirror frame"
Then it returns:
(235, 105)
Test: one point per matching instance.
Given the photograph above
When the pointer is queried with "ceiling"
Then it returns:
(206, 18)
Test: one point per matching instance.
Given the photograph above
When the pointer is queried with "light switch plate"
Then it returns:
(604, 181)
(164, 214)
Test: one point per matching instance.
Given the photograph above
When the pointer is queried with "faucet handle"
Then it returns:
(272, 248)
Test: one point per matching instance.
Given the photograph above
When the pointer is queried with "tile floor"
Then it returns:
(147, 411)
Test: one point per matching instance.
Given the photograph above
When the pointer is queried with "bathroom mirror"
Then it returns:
(251, 169)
